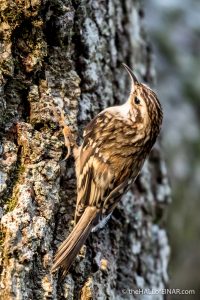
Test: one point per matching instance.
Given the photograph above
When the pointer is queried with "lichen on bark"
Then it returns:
(70, 53)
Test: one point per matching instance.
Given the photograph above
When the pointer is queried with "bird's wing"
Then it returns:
(97, 178)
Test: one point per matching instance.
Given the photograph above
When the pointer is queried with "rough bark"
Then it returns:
(70, 52)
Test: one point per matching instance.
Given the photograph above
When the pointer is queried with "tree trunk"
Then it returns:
(70, 53)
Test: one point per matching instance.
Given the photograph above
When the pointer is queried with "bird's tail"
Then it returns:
(69, 249)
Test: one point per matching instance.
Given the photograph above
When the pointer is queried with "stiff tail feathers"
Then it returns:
(69, 249)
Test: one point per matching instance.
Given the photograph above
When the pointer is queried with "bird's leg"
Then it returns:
(102, 223)
(69, 139)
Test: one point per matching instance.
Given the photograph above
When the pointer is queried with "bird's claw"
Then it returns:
(68, 137)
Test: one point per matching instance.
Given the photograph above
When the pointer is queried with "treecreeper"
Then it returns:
(115, 145)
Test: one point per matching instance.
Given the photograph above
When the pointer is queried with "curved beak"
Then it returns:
(133, 77)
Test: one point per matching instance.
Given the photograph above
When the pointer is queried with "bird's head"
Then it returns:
(145, 106)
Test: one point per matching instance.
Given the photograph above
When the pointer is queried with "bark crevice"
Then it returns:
(70, 53)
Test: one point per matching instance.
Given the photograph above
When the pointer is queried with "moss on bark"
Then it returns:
(70, 52)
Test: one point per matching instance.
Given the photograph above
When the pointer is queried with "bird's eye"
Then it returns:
(137, 100)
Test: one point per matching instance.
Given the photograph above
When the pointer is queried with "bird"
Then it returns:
(115, 145)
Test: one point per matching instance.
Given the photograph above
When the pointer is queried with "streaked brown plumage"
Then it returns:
(116, 143)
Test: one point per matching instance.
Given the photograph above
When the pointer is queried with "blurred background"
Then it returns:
(174, 29)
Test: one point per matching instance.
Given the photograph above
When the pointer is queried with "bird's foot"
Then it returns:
(69, 139)
(102, 223)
